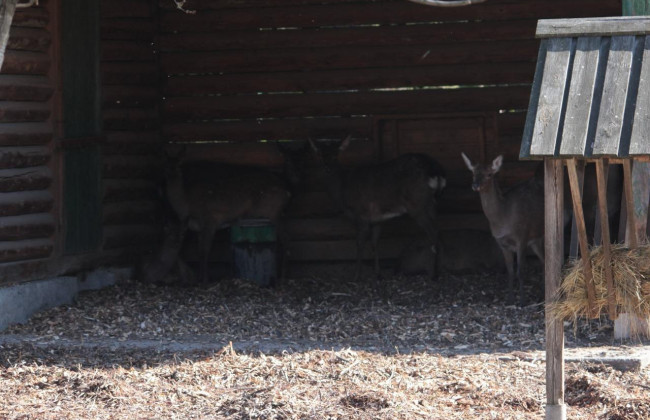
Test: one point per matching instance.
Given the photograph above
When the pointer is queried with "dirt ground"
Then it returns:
(320, 347)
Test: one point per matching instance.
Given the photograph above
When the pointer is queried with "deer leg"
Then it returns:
(375, 231)
(510, 267)
(426, 219)
(521, 271)
(283, 254)
(205, 245)
(363, 230)
(538, 249)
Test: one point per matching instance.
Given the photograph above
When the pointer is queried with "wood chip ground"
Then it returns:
(321, 347)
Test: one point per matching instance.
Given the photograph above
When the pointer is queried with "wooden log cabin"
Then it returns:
(92, 91)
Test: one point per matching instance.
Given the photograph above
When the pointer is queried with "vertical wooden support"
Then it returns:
(641, 197)
(573, 246)
(554, 257)
(630, 231)
(582, 235)
(601, 167)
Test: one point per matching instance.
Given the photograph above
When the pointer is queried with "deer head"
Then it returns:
(482, 174)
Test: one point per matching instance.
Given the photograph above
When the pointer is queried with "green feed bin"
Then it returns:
(254, 249)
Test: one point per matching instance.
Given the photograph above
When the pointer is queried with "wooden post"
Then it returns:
(554, 258)
(641, 170)
(7, 9)
(631, 238)
(601, 169)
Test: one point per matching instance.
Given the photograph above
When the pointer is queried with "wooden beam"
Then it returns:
(601, 167)
(600, 26)
(553, 261)
(630, 231)
(582, 235)
(574, 245)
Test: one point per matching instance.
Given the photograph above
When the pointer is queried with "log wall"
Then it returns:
(239, 74)
(28, 209)
(132, 150)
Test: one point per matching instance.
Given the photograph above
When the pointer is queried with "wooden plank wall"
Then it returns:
(27, 185)
(131, 152)
(241, 72)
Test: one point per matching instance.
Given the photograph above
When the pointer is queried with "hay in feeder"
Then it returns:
(631, 275)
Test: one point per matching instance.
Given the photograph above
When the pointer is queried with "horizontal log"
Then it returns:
(25, 250)
(116, 97)
(382, 13)
(112, 9)
(26, 202)
(355, 79)
(511, 123)
(138, 148)
(25, 134)
(132, 28)
(23, 157)
(29, 39)
(25, 88)
(139, 212)
(327, 104)
(119, 190)
(26, 62)
(401, 229)
(116, 237)
(32, 17)
(12, 112)
(130, 119)
(27, 179)
(130, 50)
(369, 36)
(265, 155)
(129, 73)
(123, 167)
(344, 249)
(334, 58)
(230, 4)
(26, 226)
(256, 130)
(22, 272)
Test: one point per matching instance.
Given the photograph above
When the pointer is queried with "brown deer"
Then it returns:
(516, 217)
(372, 194)
(208, 196)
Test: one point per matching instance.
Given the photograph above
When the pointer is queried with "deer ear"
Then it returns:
(344, 145)
(496, 163)
(468, 162)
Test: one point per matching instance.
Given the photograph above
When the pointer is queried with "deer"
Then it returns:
(371, 194)
(516, 218)
(207, 196)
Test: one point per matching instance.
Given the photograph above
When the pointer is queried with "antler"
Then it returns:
(451, 3)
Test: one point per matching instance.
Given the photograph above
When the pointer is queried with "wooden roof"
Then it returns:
(591, 92)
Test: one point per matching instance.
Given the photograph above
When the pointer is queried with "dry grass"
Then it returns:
(631, 278)
(338, 352)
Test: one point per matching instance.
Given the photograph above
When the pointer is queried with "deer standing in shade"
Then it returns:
(516, 217)
(207, 196)
(372, 194)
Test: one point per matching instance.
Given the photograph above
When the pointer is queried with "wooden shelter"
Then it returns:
(590, 101)
(92, 90)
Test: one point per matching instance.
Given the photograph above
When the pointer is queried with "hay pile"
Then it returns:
(631, 273)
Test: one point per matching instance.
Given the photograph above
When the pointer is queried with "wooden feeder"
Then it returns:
(590, 102)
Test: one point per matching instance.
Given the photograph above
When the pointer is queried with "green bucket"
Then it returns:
(254, 248)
